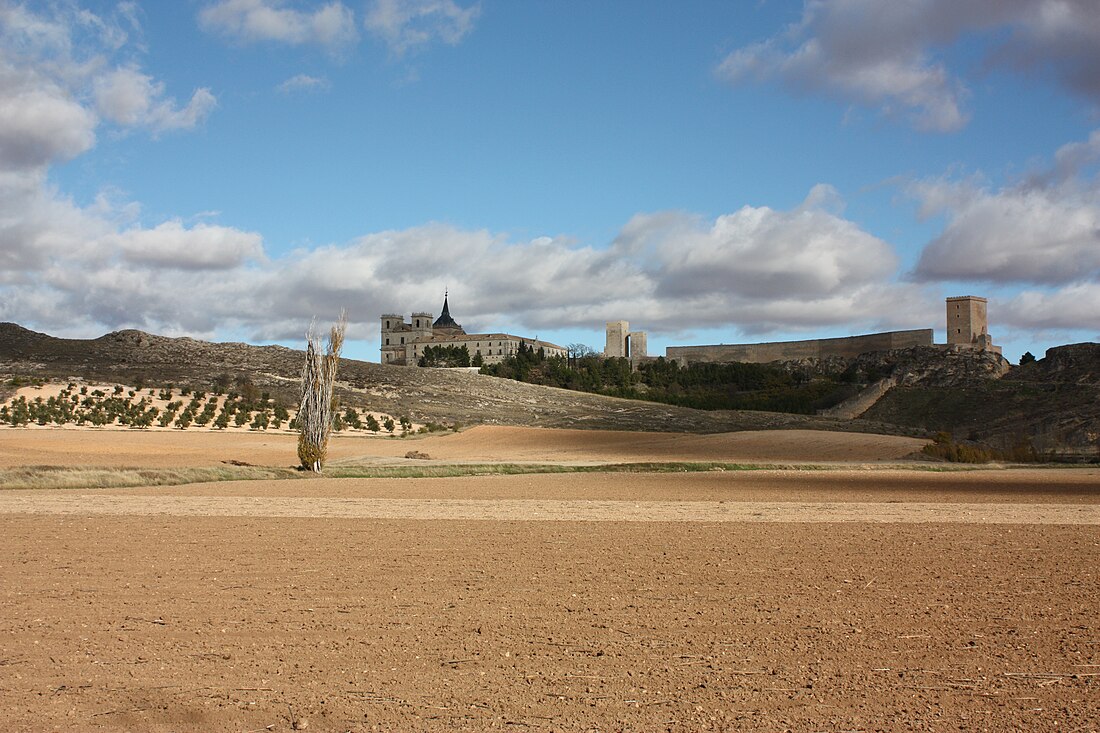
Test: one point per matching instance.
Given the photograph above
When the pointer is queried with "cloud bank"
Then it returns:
(1042, 233)
(892, 55)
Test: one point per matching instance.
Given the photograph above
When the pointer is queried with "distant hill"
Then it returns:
(1052, 404)
(138, 358)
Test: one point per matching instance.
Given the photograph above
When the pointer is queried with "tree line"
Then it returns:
(732, 386)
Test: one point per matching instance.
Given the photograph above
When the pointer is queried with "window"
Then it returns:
(387, 342)
(402, 339)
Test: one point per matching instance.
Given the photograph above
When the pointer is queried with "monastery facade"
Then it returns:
(403, 342)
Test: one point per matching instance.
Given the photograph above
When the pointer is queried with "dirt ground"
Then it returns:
(178, 448)
(857, 599)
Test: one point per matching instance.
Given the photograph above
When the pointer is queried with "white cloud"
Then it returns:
(130, 98)
(53, 62)
(89, 266)
(40, 122)
(408, 24)
(202, 247)
(888, 55)
(303, 83)
(332, 25)
(1044, 230)
(762, 253)
(756, 269)
(1074, 307)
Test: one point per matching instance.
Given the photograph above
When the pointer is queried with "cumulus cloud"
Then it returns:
(890, 55)
(202, 247)
(408, 24)
(53, 62)
(756, 269)
(1073, 307)
(759, 252)
(74, 266)
(332, 25)
(40, 122)
(130, 98)
(1043, 230)
(303, 83)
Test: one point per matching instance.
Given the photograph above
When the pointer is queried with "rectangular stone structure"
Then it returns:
(847, 346)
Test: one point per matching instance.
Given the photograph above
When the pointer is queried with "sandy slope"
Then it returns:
(178, 448)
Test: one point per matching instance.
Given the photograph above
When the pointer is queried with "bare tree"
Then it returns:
(318, 379)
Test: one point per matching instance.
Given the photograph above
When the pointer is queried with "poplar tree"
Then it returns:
(318, 378)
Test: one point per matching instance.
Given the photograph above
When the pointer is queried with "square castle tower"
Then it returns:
(968, 324)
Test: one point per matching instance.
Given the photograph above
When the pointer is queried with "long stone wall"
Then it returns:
(848, 346)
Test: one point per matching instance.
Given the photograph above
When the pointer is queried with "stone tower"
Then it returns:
(617, 339)
(967, 323)
(393, 342)
(420, 325)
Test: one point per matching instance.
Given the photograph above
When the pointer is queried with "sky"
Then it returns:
(712, 171)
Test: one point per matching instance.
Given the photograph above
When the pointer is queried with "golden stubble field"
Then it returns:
(857, 597)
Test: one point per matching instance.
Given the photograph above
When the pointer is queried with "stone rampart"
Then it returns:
(848, 346)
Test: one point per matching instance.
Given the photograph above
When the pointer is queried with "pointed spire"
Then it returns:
(445, 321)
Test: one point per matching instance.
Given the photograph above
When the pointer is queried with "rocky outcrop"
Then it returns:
(1073, 364)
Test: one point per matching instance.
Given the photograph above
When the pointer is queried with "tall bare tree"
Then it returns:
(318, 378)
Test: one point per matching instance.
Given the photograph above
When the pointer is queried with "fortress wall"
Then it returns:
(848, 346)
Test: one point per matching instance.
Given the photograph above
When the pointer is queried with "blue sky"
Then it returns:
(709, 171)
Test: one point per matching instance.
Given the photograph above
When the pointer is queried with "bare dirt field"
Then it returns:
(852, 599)
(177, 448)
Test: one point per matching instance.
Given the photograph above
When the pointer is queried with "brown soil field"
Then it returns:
(851, 599)
(86, 447)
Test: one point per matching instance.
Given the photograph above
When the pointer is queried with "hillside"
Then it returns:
(137, 358)
(1053, 404)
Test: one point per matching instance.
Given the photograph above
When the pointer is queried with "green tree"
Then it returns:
(352, 420)
(445, 356)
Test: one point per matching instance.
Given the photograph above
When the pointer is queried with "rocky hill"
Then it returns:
(449, 396)
(1052, 404)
